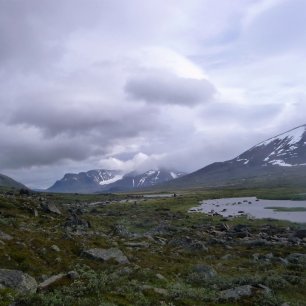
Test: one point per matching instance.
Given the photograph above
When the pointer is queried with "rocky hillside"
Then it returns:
(77, 250)
(278, 161)
(6, 181)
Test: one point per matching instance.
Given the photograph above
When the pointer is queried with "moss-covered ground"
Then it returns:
(163, 242)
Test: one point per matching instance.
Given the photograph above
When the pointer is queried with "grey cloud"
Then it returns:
(54, 115)
(165, 88)
(25, 149)
(241, 114)
(277, 29)
(76, 86)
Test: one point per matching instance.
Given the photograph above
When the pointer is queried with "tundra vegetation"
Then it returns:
(121, 249)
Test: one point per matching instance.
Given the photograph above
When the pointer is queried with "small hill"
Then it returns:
(6, 181)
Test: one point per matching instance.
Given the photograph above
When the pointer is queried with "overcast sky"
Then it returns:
(135, 84)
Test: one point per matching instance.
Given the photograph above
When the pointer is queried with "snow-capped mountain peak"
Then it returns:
(86, 181)
(112, 180)
(291, 137)
(285, 150)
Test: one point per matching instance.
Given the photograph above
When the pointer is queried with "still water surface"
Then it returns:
(254, 208)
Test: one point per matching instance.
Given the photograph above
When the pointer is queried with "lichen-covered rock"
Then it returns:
(17, 280)
(49, 281)
(73, 274)
(4, 236)
(297, 258)
(237, 292)
(50, 208)
(204, 271)
(55, 248)
(188, 244)
(107, 254)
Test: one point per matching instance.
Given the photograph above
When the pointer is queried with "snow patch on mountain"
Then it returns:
(290, 138)
(284, 150)
(111, 180)
(174, 175)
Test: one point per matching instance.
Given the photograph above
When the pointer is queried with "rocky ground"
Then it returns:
(120, 250)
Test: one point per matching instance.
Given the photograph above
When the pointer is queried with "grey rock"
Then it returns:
(4, 236)
(55, 248)
(73, 274)
(75, 222)
(265, 289)
(236, 293)
(160, 277)
(50, 208)
(49, 281)
(17, 280)
(141, 244)
(188, 244)
(205, 271)
(227, 257)
(35, 212)
(257, 242)
(269, 256)
(256, 256)
(296, 258)
(160, 291)
(122, 231)
(107, 254)
(300, 233)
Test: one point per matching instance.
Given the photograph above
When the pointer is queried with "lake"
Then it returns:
(294, 211)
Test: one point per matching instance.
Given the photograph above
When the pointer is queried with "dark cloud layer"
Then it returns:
(166, 88)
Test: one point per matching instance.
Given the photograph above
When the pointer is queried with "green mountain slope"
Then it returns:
(6, 181)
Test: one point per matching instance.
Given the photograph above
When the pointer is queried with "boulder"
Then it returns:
(17, 280)
(236, 293)
(188, 244)
(300, 233)
(121, 231)
(55, 248)
(73, 275)
(50, 208)
(51, 280)
(141, 244)
(4, 236)
(74, 221)
(204, 271)
(296, 258)
(107, 254)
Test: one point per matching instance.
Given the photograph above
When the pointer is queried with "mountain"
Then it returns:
(280, 160)
(111, 181)
(86, 182)
(133, 181)
(6, 181)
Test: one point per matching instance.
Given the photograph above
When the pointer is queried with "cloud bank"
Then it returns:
(140, 84)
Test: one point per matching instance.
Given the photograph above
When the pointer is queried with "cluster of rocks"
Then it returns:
(24, 283)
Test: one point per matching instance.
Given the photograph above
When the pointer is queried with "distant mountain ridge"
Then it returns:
(132, 181)
(280, 160)
(90, 181)
(6, 181)
(102, 180)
